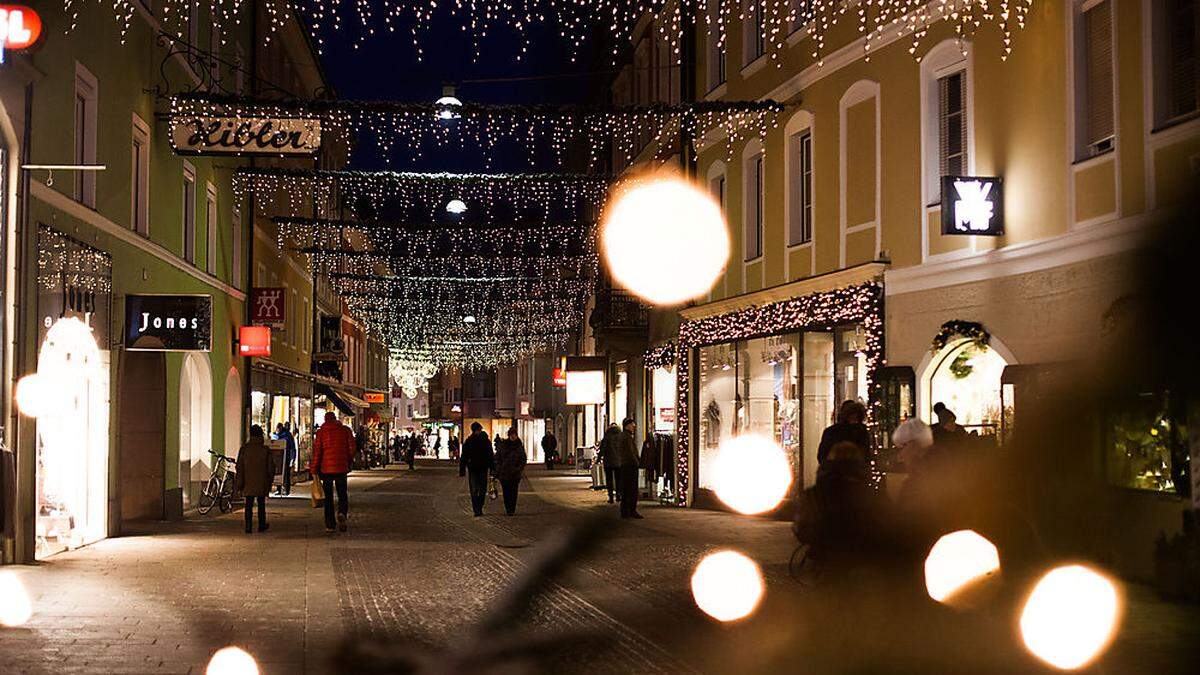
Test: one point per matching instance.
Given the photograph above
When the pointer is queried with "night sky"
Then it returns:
(385, 67)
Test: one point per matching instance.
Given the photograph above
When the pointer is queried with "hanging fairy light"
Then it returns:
(412, 376)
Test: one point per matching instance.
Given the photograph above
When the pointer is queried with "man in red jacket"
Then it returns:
(333, 452)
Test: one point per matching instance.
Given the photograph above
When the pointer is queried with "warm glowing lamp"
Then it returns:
(727, 585)
(232, 661)
(957, 560)
(1070, 617)
(15, 607)
(665, 214)
(752, 474)
(456, 207)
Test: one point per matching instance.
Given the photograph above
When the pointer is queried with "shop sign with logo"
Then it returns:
(74, 280)
(254, 341)
(332, 345)
(558, 377)
(267, 307)
(375, 397)
(973, 205)
(199, 135)
(168, 323)
(20, 29)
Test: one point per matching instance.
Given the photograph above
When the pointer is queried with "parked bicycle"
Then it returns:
(218, 490)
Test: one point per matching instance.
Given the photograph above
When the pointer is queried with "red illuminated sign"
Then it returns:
(254, 341)
(20, 28)
(559, 377)
(374, 397)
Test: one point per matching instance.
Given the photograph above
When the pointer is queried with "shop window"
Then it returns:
(1093, 49)
(1175, 35)
(1146, 442)
(139, 178)
(966, 377)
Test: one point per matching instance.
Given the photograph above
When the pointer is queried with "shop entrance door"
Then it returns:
(143, 428)
(195, 426)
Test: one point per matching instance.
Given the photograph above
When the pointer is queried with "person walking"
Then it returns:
(510, 467)
(627, 467)
(255, 473)
(282, 433)
(333, 453)
(476, 461)
(850, 428)
(414, 444)
(550, 449)
(607, 453)
(455, 447)
(397, 449)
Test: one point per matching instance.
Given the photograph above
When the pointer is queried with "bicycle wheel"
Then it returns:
(226, 501)
(207, 496)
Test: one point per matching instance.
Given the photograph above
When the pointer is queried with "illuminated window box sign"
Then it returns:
(254, 341)
(20, 29)
(168, 323)
(200, 135)
(973, 205)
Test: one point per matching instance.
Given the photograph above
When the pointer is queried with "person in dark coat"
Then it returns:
(255, 473)
(947, 433)
(607, 454)
(510, 467)
(397, 449)
(627, 467)
(849, 428)
(282, 433)
(414, 444)
(851, 512)
(477, 459)
(550, 449)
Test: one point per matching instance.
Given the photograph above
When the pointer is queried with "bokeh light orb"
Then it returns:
(232, 661)
(456, 207)
(665, 240)
(15, 606)
(1070, 617)
(957, 560)
(35, 395)
(727, 585)
(751, 474)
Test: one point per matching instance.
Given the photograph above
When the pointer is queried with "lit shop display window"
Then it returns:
(784, 387)
(1146, 444)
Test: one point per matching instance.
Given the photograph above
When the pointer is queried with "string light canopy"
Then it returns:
(421, 196)
(772, 21)
(541, 132)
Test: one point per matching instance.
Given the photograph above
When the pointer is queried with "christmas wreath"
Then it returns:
(971, 330)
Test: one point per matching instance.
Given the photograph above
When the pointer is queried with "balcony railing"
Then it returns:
(616, 308)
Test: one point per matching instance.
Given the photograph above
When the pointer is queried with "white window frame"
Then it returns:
(235, 230)
(306, 329)
(139, 178)
(801, 124)
(860, 91)
(188, 220)
(716, 48)
(1156, 41)
(753, 197)
(944, 58)
(212, 220)
(1081, 149)
(87, 93)
(718, 187)
(754, 42)
(294, 336)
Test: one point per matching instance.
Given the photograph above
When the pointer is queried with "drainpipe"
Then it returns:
(25, 308)
(251, 208)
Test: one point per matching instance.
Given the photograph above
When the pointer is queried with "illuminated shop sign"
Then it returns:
(374, 397)
(586, 382)
(20, 29)
(199, 135)
(559, 377)
(267, 307)
(168, 323)
(254, 341)
(973, 205)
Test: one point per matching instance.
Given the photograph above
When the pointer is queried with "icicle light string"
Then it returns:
(561, 130)
(575, 21)
(424, 195)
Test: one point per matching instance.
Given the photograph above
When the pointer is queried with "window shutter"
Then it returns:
(1097, 26)
(1181, 58)
(952, 124)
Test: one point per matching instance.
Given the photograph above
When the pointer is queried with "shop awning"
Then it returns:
(347, 403)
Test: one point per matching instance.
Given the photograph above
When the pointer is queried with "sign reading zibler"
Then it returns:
(245, 135)
(168, 323)
(973, 205)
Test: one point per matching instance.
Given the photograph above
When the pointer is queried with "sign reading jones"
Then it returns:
(245, 135)
(973, 205)
(168, 323)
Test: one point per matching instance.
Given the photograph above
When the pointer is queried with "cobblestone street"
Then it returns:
(416, 571)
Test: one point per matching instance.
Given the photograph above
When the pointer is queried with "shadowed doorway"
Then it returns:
(143, 425)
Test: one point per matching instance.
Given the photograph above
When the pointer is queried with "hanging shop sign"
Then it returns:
(558, 377)
(586, 380)
(20, 29)
(332, 345)
(267, 307)
(254, 341)
(202, 135)
(375, 397)
(168, 323)
(973, 205)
